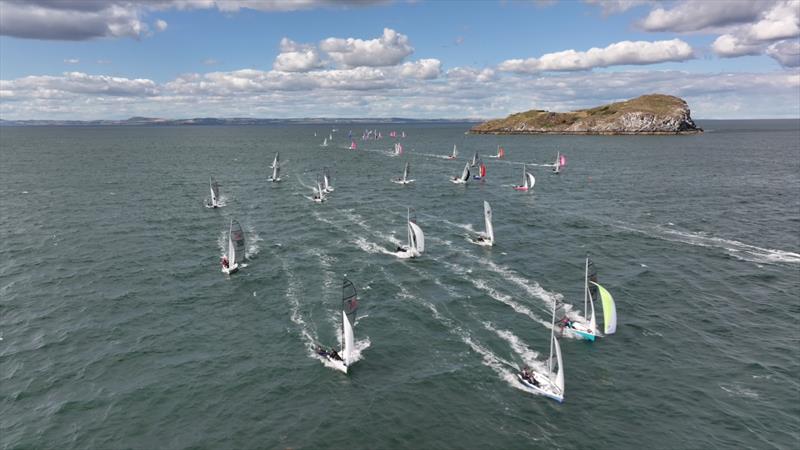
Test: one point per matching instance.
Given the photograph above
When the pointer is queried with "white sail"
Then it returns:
(474, 161)
(529, 180)
(465, 173)
(275, 161)
(557, 164)
(348, 343)
(237, 238)
(406, 172)
(276, 173)
(559, 381)
(325, 142)
(349, 309)
(455, 151)
(214, 191)
(231, 247)
(418, 238)
(487, 216)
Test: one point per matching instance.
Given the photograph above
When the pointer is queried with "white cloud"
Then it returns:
(424, 69)
(388, 50)
(780, 21)
(617, 6)
(620, 53)
(76, 20)
(296, 58)
(160, 25)
(786, 52)
(693, 16)
(72, 61)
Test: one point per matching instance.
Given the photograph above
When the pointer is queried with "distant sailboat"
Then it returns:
(527, 180)
(464, 176)
(416, 240)
(236, 248)
(325, 142)
(353, 145)
(214, 201)
(406, 173)
(561, 161)
(587, 329)
(485, 238)
(318, 195)
(501, 153)
(454, 154)
(551, 382)
(398, 149)
(343, 359)
(481, 171)
(327, 181)
(276, 169)
(474, 161)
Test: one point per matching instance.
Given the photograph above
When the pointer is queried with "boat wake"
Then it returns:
(308, 334)
(739, 250)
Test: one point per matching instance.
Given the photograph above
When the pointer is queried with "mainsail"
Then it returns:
(214, 191)
(487, 217)
(483, 170)
(236, 240)
(530, 180)
(406, 172)
(465, 173)
(326, 179)
(455, 151)
(474, 161)
(231, 247)
(349, 308)
(417, 237)
(276, 161)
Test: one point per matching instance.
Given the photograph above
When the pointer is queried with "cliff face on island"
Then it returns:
(648, 114)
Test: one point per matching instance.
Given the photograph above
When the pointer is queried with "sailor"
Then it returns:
(400, 249)
(333, 354)
(225, 261)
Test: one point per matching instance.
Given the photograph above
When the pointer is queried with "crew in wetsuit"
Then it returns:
(225, 262)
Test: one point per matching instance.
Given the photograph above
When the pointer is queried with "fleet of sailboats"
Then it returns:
(547, 380)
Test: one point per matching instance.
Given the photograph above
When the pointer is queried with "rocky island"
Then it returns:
(648, 114)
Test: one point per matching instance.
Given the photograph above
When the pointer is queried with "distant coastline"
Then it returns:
(204, 121)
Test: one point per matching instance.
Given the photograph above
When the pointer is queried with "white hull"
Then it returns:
(546, 387)
(336, 364)
(458, 181)
(482, 242)
(396, 181)
(232, 269)
(275, 180)
(407, 253)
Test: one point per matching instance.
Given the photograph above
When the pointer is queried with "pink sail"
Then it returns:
(562, 161)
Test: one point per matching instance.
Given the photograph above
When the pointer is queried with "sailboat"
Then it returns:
(551, 382)
(561, 161)
(214, 201)
(327, 187)
(588, 329)
(416, 240)
(464, 176)
(325, 142)
(474, 161)
(276, 169)
(235, 257)
(343, 359)
(319, 193)
(485, 238)
(481, 171)
(353, 145)
(404, 179)
(527, 180)
(398, 149)
(454, 154)
(501, 153)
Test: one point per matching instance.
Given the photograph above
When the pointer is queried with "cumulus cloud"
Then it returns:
(76, 20)
(620, 53)
(388, 50)
(295, 57)
(424, 69)
(691, 16)
(787, 53)
(779, 22)
(160, 25)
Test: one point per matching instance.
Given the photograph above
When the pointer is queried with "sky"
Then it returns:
(114, 59)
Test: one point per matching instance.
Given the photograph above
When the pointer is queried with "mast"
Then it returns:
(552, 336)
(524, 176)
(586, 286)
(408, 226)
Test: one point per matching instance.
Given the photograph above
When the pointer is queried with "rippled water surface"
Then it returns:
(119, 331)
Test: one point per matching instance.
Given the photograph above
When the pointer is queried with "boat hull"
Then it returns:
(530, 387)
(402, 181)
(521, 188)
(232, 269)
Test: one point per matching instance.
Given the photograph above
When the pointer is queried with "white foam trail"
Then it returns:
(506, 299)
(308, 334)
(528, 356)
(253, 239)
(740, 250)
(371, 247)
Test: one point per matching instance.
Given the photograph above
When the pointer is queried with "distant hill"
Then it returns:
(648, 114)
(198, 121)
